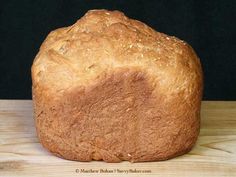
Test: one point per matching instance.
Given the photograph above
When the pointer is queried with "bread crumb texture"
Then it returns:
(111, 88)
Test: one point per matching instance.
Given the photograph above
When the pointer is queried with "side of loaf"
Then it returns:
(111, 88)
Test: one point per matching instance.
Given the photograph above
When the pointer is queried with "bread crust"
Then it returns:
(111, 88)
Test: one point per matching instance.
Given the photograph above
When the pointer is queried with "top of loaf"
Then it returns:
(103, 40)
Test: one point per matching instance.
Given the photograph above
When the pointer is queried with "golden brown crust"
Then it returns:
(111, 88)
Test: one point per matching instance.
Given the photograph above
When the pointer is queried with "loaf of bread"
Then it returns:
(111, 88)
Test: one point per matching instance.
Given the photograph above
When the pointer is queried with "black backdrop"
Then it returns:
(209, 26)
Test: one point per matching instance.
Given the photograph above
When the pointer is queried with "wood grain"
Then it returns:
(22, 155)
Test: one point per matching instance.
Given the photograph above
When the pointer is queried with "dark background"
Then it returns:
(208, 26)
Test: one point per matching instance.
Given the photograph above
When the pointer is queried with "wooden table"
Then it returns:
(22, 155)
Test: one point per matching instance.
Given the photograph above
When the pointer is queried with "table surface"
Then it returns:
(22, 155)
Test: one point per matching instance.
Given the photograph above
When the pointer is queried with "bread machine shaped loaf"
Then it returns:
(111, 88)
